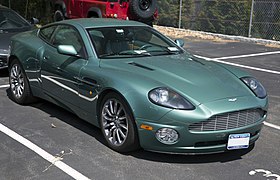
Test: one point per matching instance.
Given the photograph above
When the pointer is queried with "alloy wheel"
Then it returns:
(17, 81)
(114, 122)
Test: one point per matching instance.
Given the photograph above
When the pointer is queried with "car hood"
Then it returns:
(198, 80)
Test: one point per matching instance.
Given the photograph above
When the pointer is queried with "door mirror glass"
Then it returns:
(67, 50)
(180, 42)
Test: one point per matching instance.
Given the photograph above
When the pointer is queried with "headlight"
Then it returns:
(168, 98)
(255, 86)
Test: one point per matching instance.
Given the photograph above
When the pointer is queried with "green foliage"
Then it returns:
(169, 12)
(31, 8)
(226, 17)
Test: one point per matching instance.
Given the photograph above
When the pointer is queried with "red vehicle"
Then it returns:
(138, 10)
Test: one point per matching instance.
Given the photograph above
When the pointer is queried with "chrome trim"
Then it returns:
(69, 89)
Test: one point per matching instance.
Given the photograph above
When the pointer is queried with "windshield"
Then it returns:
(119, 42)
(9, 20)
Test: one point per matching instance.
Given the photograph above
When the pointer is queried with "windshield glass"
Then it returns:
(119, 42)
(9, 20)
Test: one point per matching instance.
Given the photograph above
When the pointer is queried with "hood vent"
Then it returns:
(141, 66)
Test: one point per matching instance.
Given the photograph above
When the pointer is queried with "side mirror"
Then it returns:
(68, 50)
(180, 42)
(34, 21)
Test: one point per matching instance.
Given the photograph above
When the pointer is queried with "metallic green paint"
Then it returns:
(77, 83)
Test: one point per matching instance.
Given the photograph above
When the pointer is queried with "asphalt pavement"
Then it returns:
(64, 137)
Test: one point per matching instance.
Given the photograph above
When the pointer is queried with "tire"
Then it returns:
(58, 16)
(143, 9)
(19, 86)
(117, 124)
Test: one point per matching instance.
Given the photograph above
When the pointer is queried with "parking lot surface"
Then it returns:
(49, 131)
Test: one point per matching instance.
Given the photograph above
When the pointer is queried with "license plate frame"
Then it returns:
(238, 141)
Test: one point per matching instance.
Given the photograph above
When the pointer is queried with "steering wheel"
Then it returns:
(145, 46)
(3, 22)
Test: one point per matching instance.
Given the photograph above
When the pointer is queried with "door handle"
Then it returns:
(46, 58)
(58, 69)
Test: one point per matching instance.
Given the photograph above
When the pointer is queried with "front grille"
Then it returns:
(229, 120)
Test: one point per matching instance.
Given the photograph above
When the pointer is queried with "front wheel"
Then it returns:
(20, 90)
(117, 124)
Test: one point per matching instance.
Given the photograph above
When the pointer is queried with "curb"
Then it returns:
(223, 36)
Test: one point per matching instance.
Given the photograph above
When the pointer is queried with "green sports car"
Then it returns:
(138, 86)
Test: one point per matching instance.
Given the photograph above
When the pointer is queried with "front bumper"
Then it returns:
(3, 61)
(200, 142)
(194, 142)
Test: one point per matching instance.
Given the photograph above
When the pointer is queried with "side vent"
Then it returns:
(141, 66)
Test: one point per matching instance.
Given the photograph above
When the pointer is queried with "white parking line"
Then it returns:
(238, 65)
(58, 163)
(4, 86)
(248, 55)
(271, 125)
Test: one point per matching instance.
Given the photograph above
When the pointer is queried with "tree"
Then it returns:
(31, 8)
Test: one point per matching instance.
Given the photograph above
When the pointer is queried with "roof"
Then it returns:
(101, 22)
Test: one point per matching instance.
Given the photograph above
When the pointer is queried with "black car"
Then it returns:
(11, 23)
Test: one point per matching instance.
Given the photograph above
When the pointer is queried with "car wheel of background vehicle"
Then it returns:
(19, 86)
(58, 15)
(143, 9)
(117, 124)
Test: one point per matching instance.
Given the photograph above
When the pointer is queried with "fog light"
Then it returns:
(167, 135)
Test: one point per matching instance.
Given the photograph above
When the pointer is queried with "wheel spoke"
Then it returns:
(108, 125)
(119, 111)
(115, 108)
(122, 118)
(111, 107)
(122, 134)
(107, 118)
(15, 71)
(114, 136)
(108, 111)
(118, 136)
(20, 90)
(123, 126)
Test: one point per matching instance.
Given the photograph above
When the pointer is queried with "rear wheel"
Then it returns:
(20, 90)
(117, 124)
(58, 15)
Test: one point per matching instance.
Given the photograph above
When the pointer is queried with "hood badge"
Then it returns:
(232, 99)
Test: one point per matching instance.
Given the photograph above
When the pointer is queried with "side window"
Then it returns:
(67, 35)
(46, 33)
(98, 40)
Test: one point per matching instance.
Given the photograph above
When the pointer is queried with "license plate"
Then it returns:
(238, 141)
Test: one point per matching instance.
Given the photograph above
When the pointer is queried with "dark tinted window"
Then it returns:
(46, 33)
(67, 35)
(11, 20)
(117, 42)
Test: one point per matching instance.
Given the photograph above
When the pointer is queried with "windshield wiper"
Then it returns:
(165, 51)
(125, 53)
(134, 53)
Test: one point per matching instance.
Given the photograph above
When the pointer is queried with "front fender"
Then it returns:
(133, 88)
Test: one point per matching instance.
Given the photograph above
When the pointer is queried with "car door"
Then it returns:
(59, 72)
